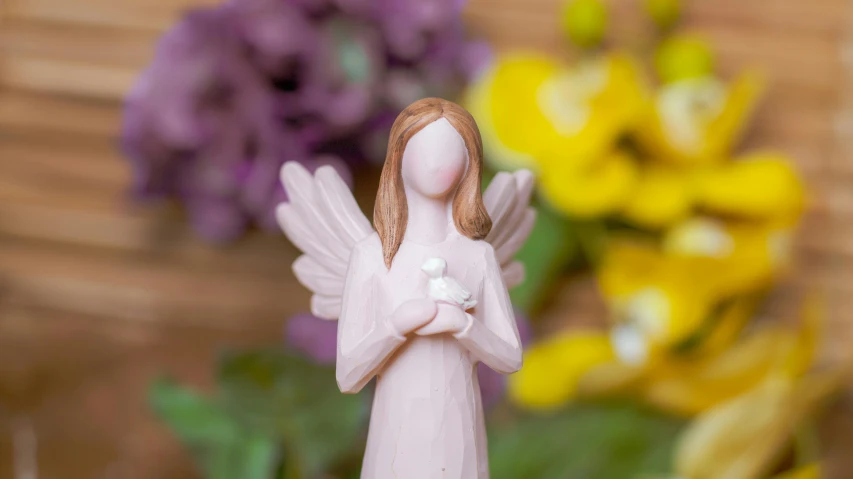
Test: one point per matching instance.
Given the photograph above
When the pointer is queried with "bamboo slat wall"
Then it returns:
(97, 295)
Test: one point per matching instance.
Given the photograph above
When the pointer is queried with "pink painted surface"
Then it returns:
(427, 418)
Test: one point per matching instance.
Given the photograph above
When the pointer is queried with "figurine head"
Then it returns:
(435, 150)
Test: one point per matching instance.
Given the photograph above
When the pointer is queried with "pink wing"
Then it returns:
(507, 200)
(324, 221)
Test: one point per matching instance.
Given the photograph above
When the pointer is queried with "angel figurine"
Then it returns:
(427, 417)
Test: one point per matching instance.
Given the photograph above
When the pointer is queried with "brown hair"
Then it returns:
(391, 212)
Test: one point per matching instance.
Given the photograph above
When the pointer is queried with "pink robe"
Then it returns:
(427, 417)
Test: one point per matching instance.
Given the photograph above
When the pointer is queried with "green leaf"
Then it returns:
(252, 457)
(194, 418)
(292, 398)
(221, 448)
(549, 249)
(618, 441)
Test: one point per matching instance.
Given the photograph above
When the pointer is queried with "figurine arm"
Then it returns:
(492, 336)
(367, 337)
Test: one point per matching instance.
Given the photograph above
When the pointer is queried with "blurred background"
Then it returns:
(687, 308)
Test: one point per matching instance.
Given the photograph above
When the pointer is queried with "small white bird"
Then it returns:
(444, 288)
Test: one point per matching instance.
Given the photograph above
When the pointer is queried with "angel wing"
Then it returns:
(507, 200)
(322, 219)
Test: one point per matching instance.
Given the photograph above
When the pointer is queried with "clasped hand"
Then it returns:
(426, 316)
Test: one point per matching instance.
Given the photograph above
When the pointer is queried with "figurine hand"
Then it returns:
(413, 314)
(450, 319)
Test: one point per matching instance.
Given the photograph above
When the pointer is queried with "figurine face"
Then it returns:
(435, 160)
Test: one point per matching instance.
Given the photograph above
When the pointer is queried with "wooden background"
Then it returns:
(98, 295)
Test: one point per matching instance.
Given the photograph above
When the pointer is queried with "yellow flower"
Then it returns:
(748, 255)
(808, 471)
(676, 335)
(661, 197)
(584, 21)
(589, 191)
(722, 327)
(692, 385)
(591, 105)
(702, 281)
(756, 186)
(553, 367)
(658, 300)
(697, 121)
(532, 109)
(720, 368)
(506, 106)
(595, 364)
(743, 438)
(681, 57)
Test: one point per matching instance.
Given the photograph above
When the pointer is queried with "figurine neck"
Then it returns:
(430, 219)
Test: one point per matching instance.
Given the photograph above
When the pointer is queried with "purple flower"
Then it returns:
(409, 25)
(342, 87)
(314, 337)
(236, 90)
(492, 384)
(199, 126)
(475, 59)
(276, 34)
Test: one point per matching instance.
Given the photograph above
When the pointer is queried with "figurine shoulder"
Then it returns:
(485, 247)
(369, 250)
(480, 249)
